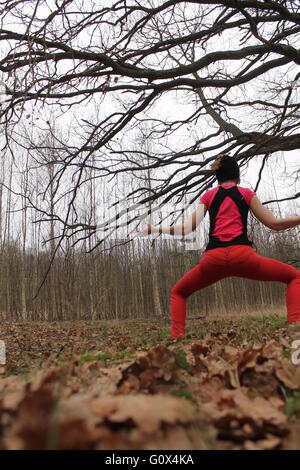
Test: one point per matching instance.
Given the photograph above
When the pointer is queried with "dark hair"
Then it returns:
(226, 168)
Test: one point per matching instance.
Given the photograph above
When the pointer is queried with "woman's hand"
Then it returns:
(146, 229)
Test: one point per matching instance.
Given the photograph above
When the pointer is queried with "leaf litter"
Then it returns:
(95, 386)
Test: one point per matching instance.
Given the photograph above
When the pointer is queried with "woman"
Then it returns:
(229, 251)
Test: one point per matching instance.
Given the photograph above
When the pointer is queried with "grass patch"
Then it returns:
(286, 353)
(88, 357)
(26, 375)
(181, 360)
(121, 356)
(181, 393)
(292, 401)
(162, 334)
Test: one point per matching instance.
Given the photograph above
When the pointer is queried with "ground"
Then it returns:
(230, 384)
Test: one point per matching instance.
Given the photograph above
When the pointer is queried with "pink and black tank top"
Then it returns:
(228, 207)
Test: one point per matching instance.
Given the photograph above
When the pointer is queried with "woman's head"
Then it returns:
(226, 169)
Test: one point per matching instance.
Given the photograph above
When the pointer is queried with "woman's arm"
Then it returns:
(265, 216)
(180, 229)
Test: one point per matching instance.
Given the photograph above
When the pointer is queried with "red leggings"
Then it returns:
(234, 260)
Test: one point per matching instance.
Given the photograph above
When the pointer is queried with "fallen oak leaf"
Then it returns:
(268, 443)
(11, 400)
(247, 359)
(148, 412)
(32, 423)
(271, 350)
(10, 383)
(288, 374)
(158, 364)
(230, 354)
(236, 406)
(228, 372)
(198, 348)
(74, 434)
(261, 379)
(232, 376)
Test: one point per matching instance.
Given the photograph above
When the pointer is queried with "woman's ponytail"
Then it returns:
(216, 163)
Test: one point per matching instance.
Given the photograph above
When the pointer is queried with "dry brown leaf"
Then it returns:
(12, 400)
(198, 348)
(288, 374)
(232, 377)
(147, 412)
(271, 350)
(225, 370)
(269, 443)
(292, 441)
(75, 434)
(216, 367)
(204, 391)
(235, 406)
(10, 383)
(247, 359)
(31, 426)
(230, 354)
(261, 379)
(159, 364)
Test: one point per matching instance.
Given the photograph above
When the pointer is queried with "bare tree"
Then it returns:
(240, 57)
(7, 240)
(24, 192)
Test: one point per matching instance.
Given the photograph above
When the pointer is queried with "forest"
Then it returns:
(111, 113)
